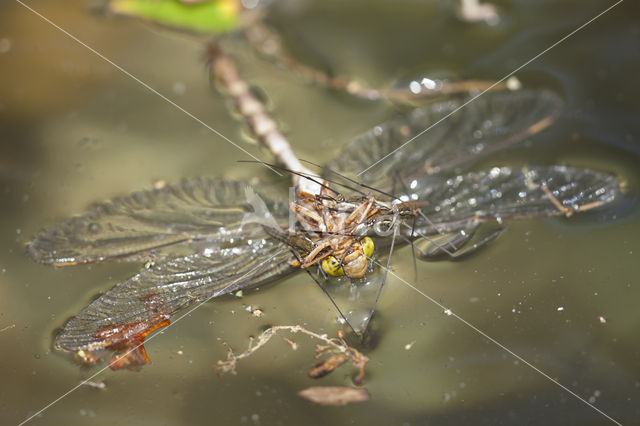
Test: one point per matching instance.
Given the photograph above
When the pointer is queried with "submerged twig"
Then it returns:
(268, 43)
(262, 126)
(336, 348)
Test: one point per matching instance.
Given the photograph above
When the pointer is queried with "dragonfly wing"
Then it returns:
(491, 122)
(149, 220)
(437, 245)
(505, 192)
(133, 308)
(455, 244)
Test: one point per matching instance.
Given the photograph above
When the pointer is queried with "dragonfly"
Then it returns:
(204, 238)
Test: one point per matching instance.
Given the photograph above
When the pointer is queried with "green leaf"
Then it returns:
(212, 16)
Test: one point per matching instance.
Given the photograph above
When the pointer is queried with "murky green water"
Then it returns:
(74, 130)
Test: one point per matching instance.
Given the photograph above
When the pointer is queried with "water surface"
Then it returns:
(74, 131)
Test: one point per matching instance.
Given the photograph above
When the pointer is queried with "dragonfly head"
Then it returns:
(367, 246)
(354, 264)
(331, 266)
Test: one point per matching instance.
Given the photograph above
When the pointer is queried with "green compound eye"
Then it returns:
(331, 266)
(367, 246)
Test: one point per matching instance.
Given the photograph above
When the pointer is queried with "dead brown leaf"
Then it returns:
(334, 395)
(327, 366)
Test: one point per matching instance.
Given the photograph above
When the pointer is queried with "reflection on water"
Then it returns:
(75, 131)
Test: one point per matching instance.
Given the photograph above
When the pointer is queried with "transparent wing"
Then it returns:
(491, 122)
(203, 209)
(219, 227)
(505, 192)
(133, 308)
(445, 242)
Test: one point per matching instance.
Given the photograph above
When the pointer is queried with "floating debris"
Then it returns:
(513, 83)
(96, 385)
(473, 11)
(159, 184)
(338, 350)
(327, 366)
(5, 45)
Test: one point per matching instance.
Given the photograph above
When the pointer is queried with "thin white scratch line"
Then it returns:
(67, 393)
(145, 85)
(492, 86)
(500, 345)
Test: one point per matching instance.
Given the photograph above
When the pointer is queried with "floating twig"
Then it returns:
(336, 349)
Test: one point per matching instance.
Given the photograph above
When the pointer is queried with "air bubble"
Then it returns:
(415, 87)
(429, 84)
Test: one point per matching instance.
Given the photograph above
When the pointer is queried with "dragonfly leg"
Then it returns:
(313, 257)
(384, 280)
(306, 216)
(362, 212)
